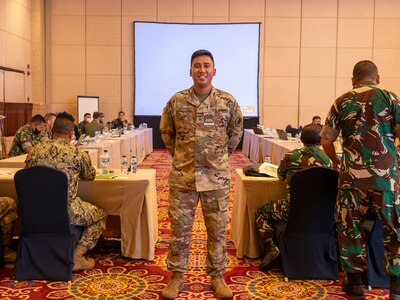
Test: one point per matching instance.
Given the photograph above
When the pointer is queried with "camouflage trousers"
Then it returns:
(181, 211)
(91, 217)
(8, 213)
(351, 209)
(271, 213)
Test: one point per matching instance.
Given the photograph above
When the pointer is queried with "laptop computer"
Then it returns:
(282, 134)
(257, 130)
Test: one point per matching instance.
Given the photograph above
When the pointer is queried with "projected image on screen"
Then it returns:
(162, 62)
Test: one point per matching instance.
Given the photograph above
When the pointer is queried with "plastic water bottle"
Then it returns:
(133, 164)
(124, 164)
(267, 159)
(105, 162)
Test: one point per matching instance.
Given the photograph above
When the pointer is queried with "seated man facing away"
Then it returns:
(60, 154)
(278, 210)
(8, 214)
(28, 136)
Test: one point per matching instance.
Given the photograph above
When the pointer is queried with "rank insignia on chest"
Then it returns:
(208, 119)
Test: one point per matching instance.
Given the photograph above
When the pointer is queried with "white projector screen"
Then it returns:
(162, 54)
(87, 104)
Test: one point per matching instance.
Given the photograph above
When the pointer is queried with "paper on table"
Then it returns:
(269, 169)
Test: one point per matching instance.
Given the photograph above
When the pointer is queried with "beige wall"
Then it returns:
(15, 49)
(308, 48)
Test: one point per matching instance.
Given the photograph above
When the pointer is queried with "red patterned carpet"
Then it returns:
(116, 277)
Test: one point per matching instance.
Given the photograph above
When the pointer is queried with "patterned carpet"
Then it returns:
(116, 277)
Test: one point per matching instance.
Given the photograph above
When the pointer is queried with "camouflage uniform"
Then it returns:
(81, 126)
(8, 213)
(278, 210)
(25, 138)
(368, 118)
(76, 163)
(200, 136)
(117, 124)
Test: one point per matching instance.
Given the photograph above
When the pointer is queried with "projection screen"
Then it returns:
(162, 54)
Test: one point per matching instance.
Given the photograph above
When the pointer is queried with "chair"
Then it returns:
(376, 276)
(307, 245)
(47, 242)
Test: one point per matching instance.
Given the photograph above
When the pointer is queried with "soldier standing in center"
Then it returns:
(200, 126)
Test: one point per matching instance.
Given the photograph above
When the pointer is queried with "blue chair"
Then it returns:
(47, 241)
(376, 274)
(308, 245)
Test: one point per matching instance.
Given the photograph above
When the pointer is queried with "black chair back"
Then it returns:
(308, 246)
(47, 242)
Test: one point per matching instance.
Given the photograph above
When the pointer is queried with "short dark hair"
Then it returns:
(121, 112)
(364, 68)
(96, 115)
(310, 134)
(202, 52)
(64, 123)
(316, 117)
(37, 119)
(86, 114)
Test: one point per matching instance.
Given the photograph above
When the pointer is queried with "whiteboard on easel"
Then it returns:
(87, 104)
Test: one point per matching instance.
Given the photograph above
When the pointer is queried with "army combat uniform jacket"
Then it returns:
(200, 136)
(25, 138)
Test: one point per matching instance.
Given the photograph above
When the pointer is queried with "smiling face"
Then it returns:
(202, 72)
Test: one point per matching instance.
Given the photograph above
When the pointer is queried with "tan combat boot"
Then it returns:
(81, 262)
(220, 287)
(175, 284)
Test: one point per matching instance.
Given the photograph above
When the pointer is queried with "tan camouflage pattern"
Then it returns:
(200, 152)
(8, 214)
(25, 138)
(181, 211)
(278, 210)
(76, 164)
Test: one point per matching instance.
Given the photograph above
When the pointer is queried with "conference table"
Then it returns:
(251, 193)
(132, 197)
(19, 161)
(258, 146)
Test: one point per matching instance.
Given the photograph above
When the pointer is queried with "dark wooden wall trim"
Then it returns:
(17, 115)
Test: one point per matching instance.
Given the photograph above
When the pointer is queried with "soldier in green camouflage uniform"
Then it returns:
(120, 122)
(81, 126)
(60, 154)
(28, 136)
(200, 127)
(369, 119)
(278, 210)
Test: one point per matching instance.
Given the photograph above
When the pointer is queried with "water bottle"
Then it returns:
(267, 159)
(124, 165)
(133, 164)
(105, 162)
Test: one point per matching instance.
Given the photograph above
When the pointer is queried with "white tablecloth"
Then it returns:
(132, 197)
(19, 161)
(251, 193)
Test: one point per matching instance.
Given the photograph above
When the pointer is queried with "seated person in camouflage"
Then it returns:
(8, 214)
(60, 154)
(278, 210)
(87, 118)
(120, 122)
(29, 136)
(49, 119)
(95, 125)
